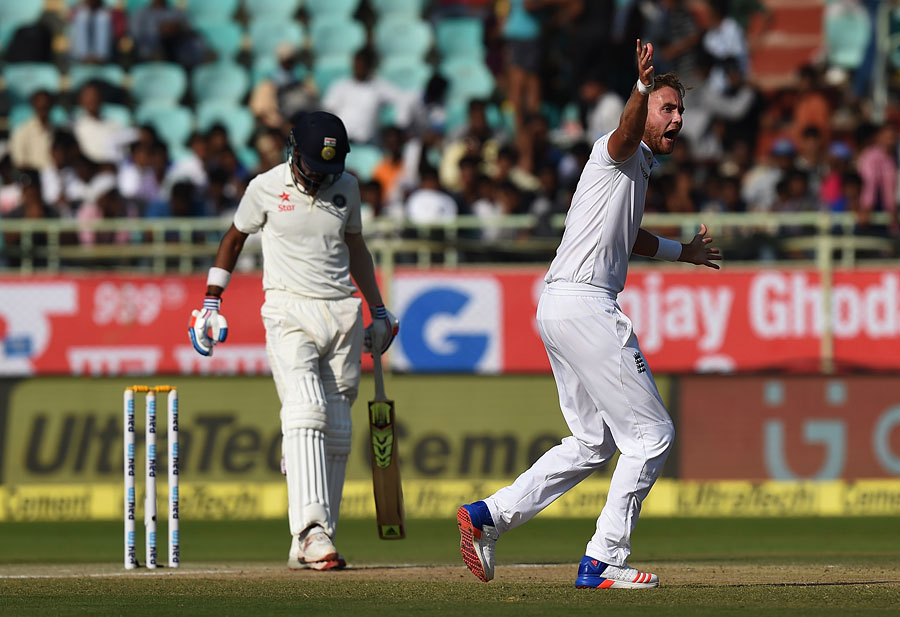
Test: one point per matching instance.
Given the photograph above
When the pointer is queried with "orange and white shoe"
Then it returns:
(315, 551)
(477, 538)
(594, 574)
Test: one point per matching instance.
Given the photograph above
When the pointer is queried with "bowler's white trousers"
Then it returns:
(609, 400)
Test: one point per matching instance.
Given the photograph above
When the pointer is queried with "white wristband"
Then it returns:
(645, 90)
(669, 250)
(218, 277)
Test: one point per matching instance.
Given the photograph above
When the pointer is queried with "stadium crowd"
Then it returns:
(452, 106)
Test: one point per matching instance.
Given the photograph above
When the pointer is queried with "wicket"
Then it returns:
(131, 561)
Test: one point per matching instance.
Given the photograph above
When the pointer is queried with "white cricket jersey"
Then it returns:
(302, 237)
(603, 220)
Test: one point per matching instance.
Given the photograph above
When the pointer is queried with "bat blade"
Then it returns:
(386, 484)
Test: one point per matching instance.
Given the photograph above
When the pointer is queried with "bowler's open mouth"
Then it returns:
(670, 135)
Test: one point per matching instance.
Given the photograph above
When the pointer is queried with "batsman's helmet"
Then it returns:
(320, 140)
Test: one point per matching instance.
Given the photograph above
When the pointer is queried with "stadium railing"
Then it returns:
(187, 245)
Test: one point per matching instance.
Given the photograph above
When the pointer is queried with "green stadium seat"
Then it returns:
(405, 72)
(22, 112)
(173, 123)
(401, 35)
(337, 8)
(20, 12)
(7, 30)
(265, 67)
(460, 37)
(334, 34)
(267, 34)
(409, 8)
(328, 69)
(362, 160)
(469, 78)
(158, 82)
(120, 114)
(80, 74)
(210, 10)
(237, 120)
(224, 37)
(25, 78)
(271, 9)
(847, 33)
(220, 81)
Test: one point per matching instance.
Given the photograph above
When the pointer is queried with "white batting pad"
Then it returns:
(304, 458)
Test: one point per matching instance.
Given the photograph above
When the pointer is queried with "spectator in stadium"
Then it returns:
(30, 142)
(831, 190)
(811, 107)
(758, 188)
(60, 185)
(476, 138)
(358, 99)
(725, 41)
(599, 107)
(103, 201)
(162, 32)
(535, 147)
(470, 189)
(91, 33)
(136, 181)
(283, 95)
(877, 167)
(672, 27)
(430, 203)
(191, 167)
(10, 189)
(522, 35)
(547, 202)
(811, 158)
(507, 169)
(32, 207)
(101, 140)
(390, 170)
(371, 199)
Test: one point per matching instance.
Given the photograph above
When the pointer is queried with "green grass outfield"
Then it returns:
(795, 567)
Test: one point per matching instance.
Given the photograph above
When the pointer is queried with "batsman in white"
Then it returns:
(312, 243)
(606, 391)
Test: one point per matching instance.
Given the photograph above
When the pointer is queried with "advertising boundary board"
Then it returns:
(440, 499)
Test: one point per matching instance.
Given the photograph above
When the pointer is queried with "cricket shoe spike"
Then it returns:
(477, 539)
(594, 574)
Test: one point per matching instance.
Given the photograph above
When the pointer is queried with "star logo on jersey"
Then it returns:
(285, 205)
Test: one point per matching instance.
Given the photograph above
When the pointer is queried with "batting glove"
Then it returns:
(381, 332)
(207, 326)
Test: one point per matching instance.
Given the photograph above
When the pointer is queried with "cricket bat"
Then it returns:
(385, 461)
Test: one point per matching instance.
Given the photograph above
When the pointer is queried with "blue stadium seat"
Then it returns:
(469, 78)
(220, 81)
(334, 34)
(265, 67)
(405, 72)
(173, 123)
(338, 8)
(238, 121)
(409, 8)
(460, 37)
(80, 74)
(120, 114)
(400, 35)
(25, 78)
(7, 30)
(328, 69)
(210, 10)
(224, 37)
(847, 33)
(362, 160)
(158, 82)
(267, 34)
(23, 112)
(271, 9)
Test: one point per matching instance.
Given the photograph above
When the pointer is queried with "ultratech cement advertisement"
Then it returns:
(462, 321)
(461, 437)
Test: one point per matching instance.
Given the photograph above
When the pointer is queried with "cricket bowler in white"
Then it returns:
(606, 391)
(309, 214)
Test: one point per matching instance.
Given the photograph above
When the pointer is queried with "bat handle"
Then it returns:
(379, 375)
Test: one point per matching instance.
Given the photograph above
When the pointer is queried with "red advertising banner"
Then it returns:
(799, 427)
(688, 320)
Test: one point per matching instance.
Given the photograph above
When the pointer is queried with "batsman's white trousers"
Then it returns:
(314, 349)
(609, 400)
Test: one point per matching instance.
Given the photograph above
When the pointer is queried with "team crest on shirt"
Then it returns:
(339, 200)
